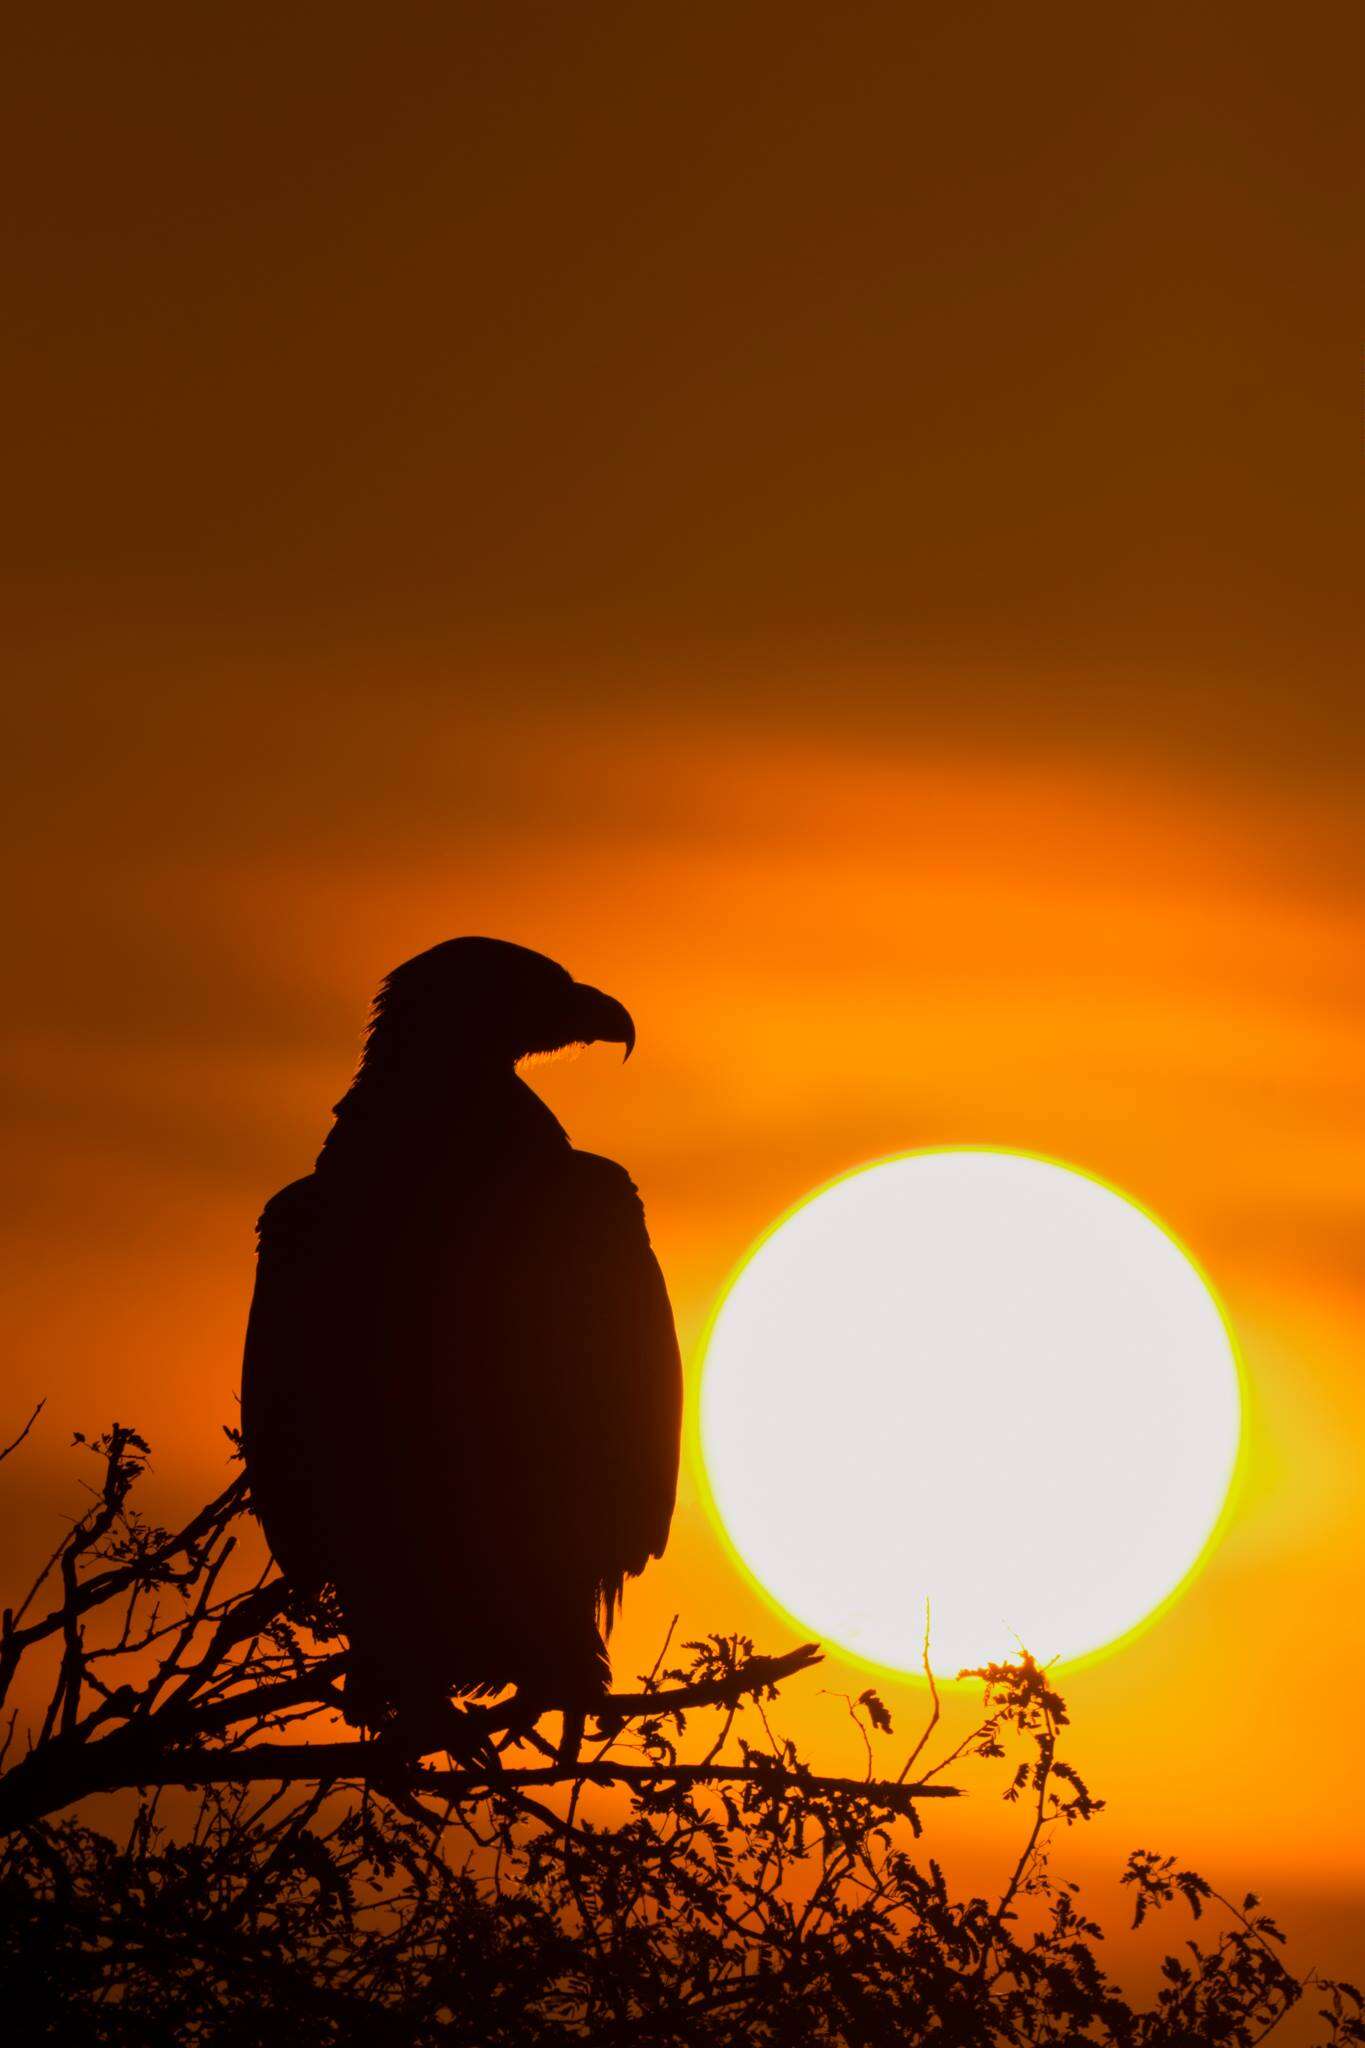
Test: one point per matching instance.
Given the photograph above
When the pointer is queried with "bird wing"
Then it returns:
(634, 1367)
(309, 1432)
(279, 1396)
(591, 1371)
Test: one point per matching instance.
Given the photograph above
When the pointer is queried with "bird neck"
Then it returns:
(410, 1120)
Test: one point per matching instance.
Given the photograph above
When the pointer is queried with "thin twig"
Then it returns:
(24, 1431)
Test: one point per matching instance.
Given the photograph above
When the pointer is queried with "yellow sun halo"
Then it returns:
(976, 1378)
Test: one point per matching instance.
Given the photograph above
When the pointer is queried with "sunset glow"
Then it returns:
(978, 1379)
(841, 528)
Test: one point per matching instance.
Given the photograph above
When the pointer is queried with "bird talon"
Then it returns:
(571, 1741)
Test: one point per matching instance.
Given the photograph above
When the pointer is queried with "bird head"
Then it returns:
(491, 1001)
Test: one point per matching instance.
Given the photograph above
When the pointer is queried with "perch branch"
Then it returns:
(759, 1674)
(374, 1764)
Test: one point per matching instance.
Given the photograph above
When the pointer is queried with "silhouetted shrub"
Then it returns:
(690, 1878)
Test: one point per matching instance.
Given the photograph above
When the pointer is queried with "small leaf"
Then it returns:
(876, 1710)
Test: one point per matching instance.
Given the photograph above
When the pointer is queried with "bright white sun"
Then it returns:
(979, 1379)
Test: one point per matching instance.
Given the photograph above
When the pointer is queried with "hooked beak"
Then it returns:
(601, 1017)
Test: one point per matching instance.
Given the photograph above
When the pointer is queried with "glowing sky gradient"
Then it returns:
(843, 530)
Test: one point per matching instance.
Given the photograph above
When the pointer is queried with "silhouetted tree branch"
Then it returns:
(347, 1890)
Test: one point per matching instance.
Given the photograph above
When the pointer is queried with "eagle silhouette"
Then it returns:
(462, 1395)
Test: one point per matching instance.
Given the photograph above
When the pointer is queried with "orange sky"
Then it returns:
(840, 528)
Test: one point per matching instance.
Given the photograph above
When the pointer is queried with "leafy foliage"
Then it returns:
(688, 1878)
